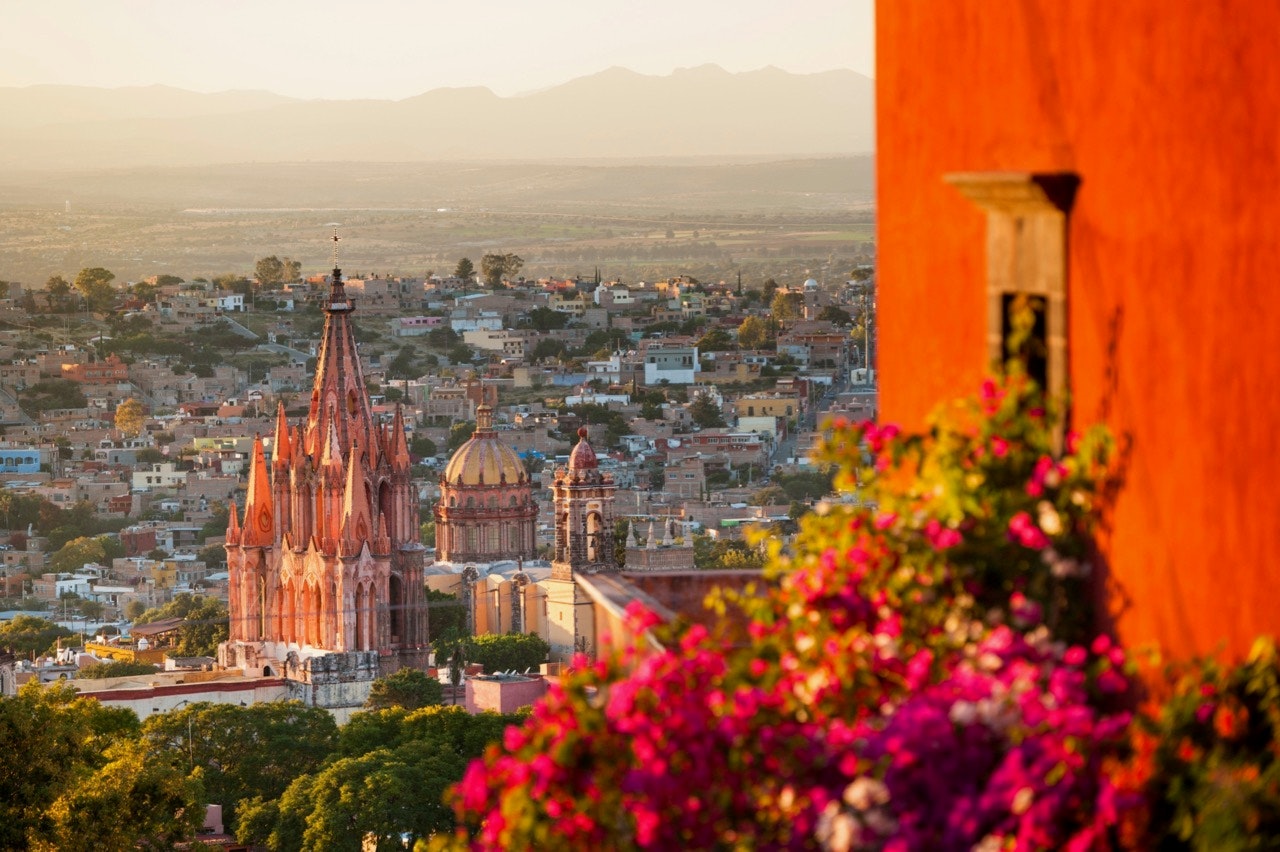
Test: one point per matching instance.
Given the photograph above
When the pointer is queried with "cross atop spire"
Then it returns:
(338, 300)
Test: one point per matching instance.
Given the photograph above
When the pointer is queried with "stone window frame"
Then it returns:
(1026, 253)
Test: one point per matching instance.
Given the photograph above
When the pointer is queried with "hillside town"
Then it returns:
(130, 413)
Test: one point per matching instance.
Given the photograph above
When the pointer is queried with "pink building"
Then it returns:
(503, 693)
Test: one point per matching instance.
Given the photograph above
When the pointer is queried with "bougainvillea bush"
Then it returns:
(920, 674)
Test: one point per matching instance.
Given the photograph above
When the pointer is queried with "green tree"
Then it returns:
(269, 271)
(770, 495)
(57, 289)
(217, 523)
(459, 434)
(836, 315)
(465, 269)
(442, 337)
(149, 455)
(77, 553)
(725, 555)
(56, 746)
(119, 668)
(715, 340)
(387, 778)
(133, 609)
(17, 511)
(94, 284)
(448, 621)
(407, 688)
(52, 394)
(545, 319)
(133, 800)
(131, 417)
(404, 364)
(755, 333)
(767, 290)
(495, 267)
(272, 271)
(507, 651)
(30, 635)
(241, 752)
(548, 347)
(705, 412)
(205, 623)
(787, 306)
(807, 486)
(423, 447)
(460, 353)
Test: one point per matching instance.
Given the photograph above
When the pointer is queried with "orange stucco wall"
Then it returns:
(1170, 115)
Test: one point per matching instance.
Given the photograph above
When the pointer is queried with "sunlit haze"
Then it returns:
(395, 49)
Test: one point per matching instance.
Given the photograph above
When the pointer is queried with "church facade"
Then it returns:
(326, 567)
(486, 511)
(583, 501)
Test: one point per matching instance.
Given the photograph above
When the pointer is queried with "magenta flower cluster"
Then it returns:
(898, 688)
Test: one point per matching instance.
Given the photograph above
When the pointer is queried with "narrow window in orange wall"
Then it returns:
(1026, 267)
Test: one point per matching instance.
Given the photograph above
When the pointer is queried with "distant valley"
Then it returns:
(701, 171)
(696, 112)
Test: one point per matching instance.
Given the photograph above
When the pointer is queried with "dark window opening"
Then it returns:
(1024, 334)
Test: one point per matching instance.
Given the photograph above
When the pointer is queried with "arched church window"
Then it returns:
(471, 502)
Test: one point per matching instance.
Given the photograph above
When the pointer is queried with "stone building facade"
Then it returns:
(583, 506)
(486, 510)
(326, 570)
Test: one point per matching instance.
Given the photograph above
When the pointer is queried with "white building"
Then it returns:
(675, 365)
(159, 475)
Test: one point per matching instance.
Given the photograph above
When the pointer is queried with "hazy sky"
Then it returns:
(399, 48)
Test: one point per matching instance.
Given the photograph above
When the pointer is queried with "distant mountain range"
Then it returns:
(697, 112)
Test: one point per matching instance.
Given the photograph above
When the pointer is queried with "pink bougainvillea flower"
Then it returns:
(1023, 530)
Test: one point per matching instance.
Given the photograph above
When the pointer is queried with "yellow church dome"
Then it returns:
(484, 460)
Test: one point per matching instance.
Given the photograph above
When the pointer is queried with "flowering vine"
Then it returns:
(920, 674)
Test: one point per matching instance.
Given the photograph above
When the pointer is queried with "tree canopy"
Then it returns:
(459, 434)
(495, 267)
(30, 635)
(51, 394)
(705, 412)
(545, 319)
(507, 651)
(466, 270)
(715, 340)
(755, 333)
(407, 688)
(272, 271)
(206, 623)
(836, 315)
(57, 289)
(77, 553)
(72, 772)
(94, 284)
(448, 622)
(387, 778)
(117, 668)
(131, 417)
(241, 752)
(787, 305)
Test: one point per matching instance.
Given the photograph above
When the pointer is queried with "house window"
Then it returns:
(1026, 268)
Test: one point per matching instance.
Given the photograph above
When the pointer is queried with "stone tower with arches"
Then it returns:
(326, 568)
(583, 502)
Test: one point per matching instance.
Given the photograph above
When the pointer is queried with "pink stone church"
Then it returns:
(326, 567)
